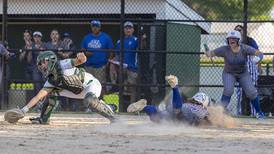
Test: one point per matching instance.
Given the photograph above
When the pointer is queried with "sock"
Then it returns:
(154, 115)
(176, 99)
(25, 109)
(225, 100)
(256, 105)
(150, 110)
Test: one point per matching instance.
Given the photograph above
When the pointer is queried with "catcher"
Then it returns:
(194, 111)
(63, 79)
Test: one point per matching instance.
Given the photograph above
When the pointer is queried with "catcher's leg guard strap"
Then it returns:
(100, 107)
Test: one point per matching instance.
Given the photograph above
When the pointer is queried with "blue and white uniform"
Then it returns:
(178, 110)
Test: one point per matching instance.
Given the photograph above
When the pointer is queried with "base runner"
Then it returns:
(193, 111)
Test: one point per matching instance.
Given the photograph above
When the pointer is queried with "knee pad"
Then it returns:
(228, 92)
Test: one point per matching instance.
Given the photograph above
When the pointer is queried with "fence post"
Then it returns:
(121, 77)
(245, 13)
(267, 69)
(4, 38)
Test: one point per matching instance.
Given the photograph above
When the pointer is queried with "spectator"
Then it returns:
(26, 56)
(38, 43)
(95, 43)
(130, 60)
(252, 68)
(57, 44)
(7, 54)
(29, 56)
(68, 41)
(28, 45)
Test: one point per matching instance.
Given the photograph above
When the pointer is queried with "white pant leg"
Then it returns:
(91, 84)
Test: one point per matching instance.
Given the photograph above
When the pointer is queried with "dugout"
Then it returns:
(167, 25)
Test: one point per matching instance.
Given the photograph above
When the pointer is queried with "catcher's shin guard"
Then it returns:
(99, 106)
(46, 111)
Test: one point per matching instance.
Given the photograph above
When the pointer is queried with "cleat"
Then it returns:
(105, 110)
(137, 106)
(172, 80)
(260, 116)
(99, 106)
(38, 120)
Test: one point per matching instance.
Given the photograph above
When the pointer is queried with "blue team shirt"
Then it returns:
(92, 42)
(130, 56)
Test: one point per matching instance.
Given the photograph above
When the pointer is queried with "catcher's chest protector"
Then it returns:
(73, 83)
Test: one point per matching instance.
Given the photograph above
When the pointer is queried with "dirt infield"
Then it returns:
(85, 133)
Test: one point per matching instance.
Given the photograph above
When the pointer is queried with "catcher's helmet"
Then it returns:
(49, 56)
(201, 98)
(234, 34)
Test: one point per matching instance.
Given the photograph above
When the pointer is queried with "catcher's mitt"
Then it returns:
(72, 83)
(13, 115)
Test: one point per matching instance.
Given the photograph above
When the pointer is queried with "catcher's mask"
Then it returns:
(46, 62)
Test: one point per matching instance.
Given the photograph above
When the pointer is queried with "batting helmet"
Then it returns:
(46, 56)
(234, 34)
(201, 98)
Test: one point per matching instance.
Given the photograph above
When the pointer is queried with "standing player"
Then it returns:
(194, 111)
(245, 104)
(64, 79)
(235, 58)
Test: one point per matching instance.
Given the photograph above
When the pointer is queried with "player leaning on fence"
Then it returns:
(235, 57)
(64, 79)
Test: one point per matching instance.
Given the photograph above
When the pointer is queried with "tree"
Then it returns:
(231, 9)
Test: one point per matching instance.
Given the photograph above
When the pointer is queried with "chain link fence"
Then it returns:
(170, 36)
